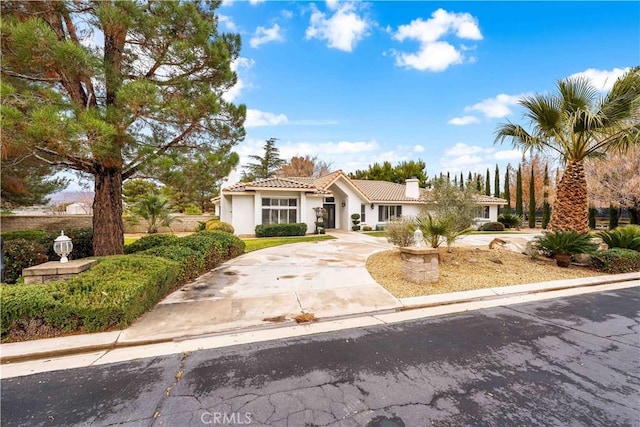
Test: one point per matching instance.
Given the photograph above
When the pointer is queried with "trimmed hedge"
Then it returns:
(33, 243)
(216, 224)
(111, 294)
(617, 260)
(150, 241)
(20, 254)
(191, 263)
(281, 230)
(492, 226)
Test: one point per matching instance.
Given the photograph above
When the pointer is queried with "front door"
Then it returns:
(330, 222)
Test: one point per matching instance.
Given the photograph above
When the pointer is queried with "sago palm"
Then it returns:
(576, 124)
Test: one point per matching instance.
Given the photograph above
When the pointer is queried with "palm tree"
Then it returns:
(576, 123)
(155, 210)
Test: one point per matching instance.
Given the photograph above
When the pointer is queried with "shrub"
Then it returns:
(557, 243)
(435, 230)
(380, 227)
(281, 230)
(367, 228)
(191, 262)
(399, 232)
(627, 237)
(111, 294)
(216, 224)
(39, 236)
(617, 260)
(82, 239)
(213, 246)
(150, 241)
(192, 210)
(492, 226)
(21, 253)
(510, 220)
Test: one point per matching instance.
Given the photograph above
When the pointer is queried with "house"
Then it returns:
(285, 200)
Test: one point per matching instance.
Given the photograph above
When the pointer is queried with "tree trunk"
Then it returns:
(634, 215)
(108, 229)
(571, 207)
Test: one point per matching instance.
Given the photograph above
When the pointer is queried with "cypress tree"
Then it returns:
(487, 184)
(507, 190)
(613, 217)
(461, 181)
(469, 179)
(546, 207)
(478, 183)
(519, 209)
(532, 200)
(496, 183)
(592, 217)
(448, 177)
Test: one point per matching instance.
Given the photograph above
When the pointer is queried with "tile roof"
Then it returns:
(374, 191)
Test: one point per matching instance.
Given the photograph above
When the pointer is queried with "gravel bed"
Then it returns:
(468, 268)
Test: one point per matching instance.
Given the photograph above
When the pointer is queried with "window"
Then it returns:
(363, 213)
(279, 211)
(483, 212)
(387, 212)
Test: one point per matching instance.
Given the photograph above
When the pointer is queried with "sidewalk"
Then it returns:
(30, 357)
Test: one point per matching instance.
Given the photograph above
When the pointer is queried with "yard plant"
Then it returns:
(562, 244)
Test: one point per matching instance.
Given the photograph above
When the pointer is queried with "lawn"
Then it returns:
(268, 242)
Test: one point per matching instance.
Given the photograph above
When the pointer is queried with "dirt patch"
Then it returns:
(471, 268)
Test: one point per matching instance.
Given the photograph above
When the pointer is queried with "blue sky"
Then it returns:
(361, 82)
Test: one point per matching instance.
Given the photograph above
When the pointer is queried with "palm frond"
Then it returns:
(577, 93)
(543, 111)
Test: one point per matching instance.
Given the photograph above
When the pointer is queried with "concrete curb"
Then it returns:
(105, 341)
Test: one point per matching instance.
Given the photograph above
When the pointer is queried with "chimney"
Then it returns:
(412, 189)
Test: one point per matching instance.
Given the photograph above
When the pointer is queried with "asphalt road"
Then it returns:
(572, 361)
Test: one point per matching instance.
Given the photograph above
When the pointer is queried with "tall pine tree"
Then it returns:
(507, 189)
(487, 184)
(496, 183)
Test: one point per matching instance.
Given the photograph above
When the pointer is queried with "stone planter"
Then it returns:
(420, 264)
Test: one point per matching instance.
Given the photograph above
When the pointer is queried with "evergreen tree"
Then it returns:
(154, 85)
(546, 207)
(592, 217)
(478, 184)
(496, 183)
(532, 201)
(507, 190)
(266, 166)
(519, 209)
(448, 177)
(487, 184)
(461, 181)
(614, 216)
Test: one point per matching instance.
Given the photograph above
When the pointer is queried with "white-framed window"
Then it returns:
(387, 212)
(483, 212)
(279, 210)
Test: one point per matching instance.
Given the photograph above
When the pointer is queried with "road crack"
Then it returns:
(177, 378)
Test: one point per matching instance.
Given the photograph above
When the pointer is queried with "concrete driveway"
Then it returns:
(327, 278)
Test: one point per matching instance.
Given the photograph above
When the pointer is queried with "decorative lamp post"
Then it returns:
(62, 246)
(418, 238)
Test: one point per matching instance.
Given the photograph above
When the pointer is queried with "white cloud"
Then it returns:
(287, 14)
(228, 23)
(435, 54)
(498, 106)
(460, 149)
(343, 30)
(256, 118)
(418, 149)
(508, 155)
(226, 3)
(239, 65)
(265, 35)
(464, 120)
(602, 79)
(255, 2)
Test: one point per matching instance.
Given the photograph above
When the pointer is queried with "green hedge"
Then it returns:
(24, 248)
(111, 294)
(150, 241)
(191, 262)
(492, 226)
(617, 260)
(20, 254)
(281, 230)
